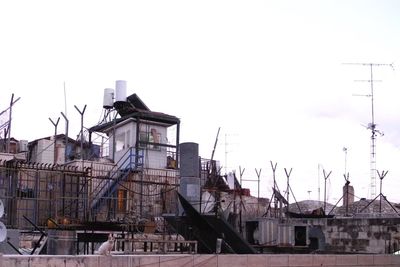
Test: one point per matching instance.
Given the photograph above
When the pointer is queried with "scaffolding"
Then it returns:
(50, 194)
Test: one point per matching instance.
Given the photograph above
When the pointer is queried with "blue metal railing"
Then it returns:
(106, 188)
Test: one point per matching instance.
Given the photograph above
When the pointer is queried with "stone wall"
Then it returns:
(197, 260)
(363, 235)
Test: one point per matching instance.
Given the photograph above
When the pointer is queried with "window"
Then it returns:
(120, 142)
(151, 137)
(123, 140)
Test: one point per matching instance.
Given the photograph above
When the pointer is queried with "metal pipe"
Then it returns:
(325, 177)
(85, 210)
(81, 133)
(55, 136)
(12, 102)
(66, 137)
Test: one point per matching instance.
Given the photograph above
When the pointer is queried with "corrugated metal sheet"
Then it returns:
(268, 232)
(285, 235)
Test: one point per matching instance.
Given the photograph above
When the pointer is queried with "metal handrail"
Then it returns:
(117, 173)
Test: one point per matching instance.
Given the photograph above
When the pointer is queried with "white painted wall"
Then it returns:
(125, 138)
(45, 151)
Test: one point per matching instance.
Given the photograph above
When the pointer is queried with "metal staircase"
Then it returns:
(129, 162)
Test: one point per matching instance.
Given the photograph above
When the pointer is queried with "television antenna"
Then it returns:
(372, 125)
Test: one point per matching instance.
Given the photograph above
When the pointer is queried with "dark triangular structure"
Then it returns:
(206, 229)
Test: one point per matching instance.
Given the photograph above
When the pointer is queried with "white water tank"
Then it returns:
(120, 91)
(108, 99)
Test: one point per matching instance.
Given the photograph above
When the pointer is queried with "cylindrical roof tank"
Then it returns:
(189, 160)
(120, 91)
(108, 99)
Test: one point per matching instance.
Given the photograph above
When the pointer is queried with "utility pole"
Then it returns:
(372, 125)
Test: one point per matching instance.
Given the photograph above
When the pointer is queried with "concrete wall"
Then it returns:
(350, 234)
(45, 153)
(363, 235)
(202, 260)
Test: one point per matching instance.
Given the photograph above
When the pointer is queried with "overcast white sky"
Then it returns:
(269, 73)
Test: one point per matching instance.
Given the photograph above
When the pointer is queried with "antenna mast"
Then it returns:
(372, 125)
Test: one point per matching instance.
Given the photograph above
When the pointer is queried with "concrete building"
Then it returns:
(60, 149)
(138, 142)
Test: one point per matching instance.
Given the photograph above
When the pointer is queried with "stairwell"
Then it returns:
(129, 162)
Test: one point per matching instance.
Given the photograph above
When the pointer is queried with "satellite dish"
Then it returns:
(1, 208)
(3, 232)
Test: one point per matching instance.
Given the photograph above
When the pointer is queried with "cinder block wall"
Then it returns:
(197, 260)
(362, 235)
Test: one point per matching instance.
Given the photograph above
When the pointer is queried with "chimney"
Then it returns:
(348, 194)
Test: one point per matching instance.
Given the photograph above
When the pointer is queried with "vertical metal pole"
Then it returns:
(273, 166)
(55, 136)
(288, 185)
(137, 146)
(319, 189)
(177, 146)
(113, 140)
(373, 145)
(234, 199)
(381, 176)
(345, 159)
(9, 125)
(325, 177)
(324, 191)
(372, 97)
(258, 190)
(90, 138)
(241, 172)
(12, 102)
(380, 196)
(86, 193)
(226, 156)
(66, 137)
(81, 134)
